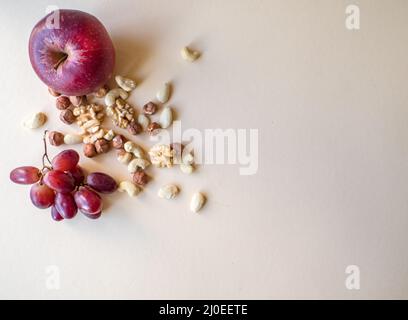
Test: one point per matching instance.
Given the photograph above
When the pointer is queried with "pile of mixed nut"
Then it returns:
(97, 139)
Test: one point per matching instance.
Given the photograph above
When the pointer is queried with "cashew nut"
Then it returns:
(188, 159)
(129, 187)
(125, 83)
(186, 168)
(134, 148)
(189, 54)
(113, 95)
(137, 163)
(124, 157)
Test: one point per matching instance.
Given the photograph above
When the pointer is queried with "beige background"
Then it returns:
(331, 189)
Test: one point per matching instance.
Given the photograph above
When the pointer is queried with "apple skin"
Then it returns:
(83, 42)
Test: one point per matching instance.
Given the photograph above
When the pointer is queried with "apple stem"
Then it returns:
(60, 61)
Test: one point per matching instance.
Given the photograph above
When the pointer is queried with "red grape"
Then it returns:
(88, 201)
(66, 160)
(92, 216)
(55, 215)
(42, 196)
(65, 205)
(25, 175)
(78, 175)
(101, 182)
(59, 181)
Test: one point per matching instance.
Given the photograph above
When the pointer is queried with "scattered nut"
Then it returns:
(132, 166)
(132, 147)
(122, 113)
(77, 100)
(150, 108)
(102, 92)
(188, 159)
(125, 83)
(144, 121)
(120, 103)
(134, 128)
(153, 128)
(186, 168)
(95, 129)
(56, 138)
(102, 146)
(129, 146)
(89, 117)
(62, 103)
(135, 164)
(161, 156)
(168, 191)
(77, 113)
(129, 187)
(53, 92)
(72, 139)
(163, 95)
(67, 116)
(118, 142)
(97, 135)
(123, 156)
(89, 150)
(35, 121)
(138, 152)
(90, 124)
(109, 135)
(97, 140)
(166, 118)
(140, 178)
(197, 202)
(189, 54)
(113, 95)
(87, 139)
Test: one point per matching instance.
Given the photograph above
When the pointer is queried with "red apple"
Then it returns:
(75, 58)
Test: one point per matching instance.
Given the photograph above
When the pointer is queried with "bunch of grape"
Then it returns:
(63, 187)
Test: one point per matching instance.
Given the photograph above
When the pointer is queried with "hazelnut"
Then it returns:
(56, 138)
(89, 150)
(118, 142)
(140, 177)
(67, 116)
(134, 128)
(149, 108)
(102, 92)
(77, 100)
(62, 103)
(53, 92)
(102, 146)
(153, 128)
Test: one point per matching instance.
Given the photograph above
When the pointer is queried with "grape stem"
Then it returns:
(45, 155)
